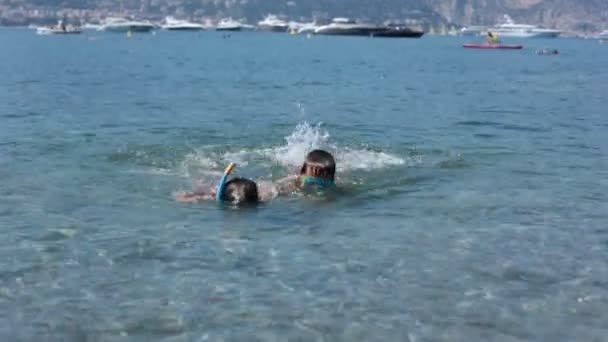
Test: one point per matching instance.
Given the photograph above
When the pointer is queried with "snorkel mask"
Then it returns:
(316, 183)
(221, 185)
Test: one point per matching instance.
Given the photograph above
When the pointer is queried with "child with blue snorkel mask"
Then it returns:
(317, 174)
(235, 191)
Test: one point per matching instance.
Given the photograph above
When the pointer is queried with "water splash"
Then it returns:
(307, 137)
(207, 161)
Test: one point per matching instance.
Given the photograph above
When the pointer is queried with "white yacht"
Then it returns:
(303, 27)
(229, 24)
(510, 29)
(346, 27)
(60, 28)
(126, 25)
(273, 23)
(95, 27)
(473, 30)
(173, 24)
(603, 35)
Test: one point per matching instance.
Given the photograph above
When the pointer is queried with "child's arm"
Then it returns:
(190, 197)
(287, 185)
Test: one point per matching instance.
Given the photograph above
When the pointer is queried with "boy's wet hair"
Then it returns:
(319, 163)
(241, 191)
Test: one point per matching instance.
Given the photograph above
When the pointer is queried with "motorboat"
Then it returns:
(95, 27)
(173, 24)
(273, 23)
(603, 35)
(303, 27)
(398, 31)
(61, 28)
(347, 27)
(229, 24)
(510, 29)
(126, 25)
(473, 30)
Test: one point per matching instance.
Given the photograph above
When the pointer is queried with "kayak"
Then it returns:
(492, 46)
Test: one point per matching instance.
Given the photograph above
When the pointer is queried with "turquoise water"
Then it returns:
(474, 203)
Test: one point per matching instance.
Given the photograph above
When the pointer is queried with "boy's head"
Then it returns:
(320, 164)
(240, 191)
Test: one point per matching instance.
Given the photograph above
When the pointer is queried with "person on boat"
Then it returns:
(492, 38)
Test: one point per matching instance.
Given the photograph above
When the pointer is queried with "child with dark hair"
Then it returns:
(236, 191)
(317, 173)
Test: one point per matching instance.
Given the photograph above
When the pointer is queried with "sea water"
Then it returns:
(473, 202)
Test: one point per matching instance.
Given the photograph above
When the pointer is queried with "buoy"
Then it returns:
(129, 33)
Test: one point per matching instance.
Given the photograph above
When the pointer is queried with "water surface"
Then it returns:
(474, 202)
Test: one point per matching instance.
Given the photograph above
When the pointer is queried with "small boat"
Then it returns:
(61, 28)
(228, 24)
(273, 23)
(303, 27)
(346, 27)
(124, 25)
(172, 24)
(492, 46)
(398, 31)
(92, 27)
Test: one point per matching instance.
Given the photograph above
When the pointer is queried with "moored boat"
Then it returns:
(229, 24)
(125, 25)
(61, 28)
(398, 31)
(273, 23)
(346, 27)
(510, 29)
(173, 24)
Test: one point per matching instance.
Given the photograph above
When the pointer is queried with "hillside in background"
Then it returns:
(572, 15)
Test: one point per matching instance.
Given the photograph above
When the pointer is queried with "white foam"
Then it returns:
(306, 137)
(205, 162)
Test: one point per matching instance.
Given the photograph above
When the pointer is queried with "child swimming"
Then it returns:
(316, 174)
(236, 191)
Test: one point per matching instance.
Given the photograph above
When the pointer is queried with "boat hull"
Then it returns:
(228, 28)
(273, 28)
(346, 32)
(492, 46)
(127, 28)
(184, 28)
(398, 33)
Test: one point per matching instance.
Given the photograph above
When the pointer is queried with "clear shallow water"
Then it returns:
(474, 203)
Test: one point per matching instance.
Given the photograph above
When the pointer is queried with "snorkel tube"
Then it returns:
(221, 185)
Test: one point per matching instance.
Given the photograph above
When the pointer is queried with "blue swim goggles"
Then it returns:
(316, 183)
(221, 185)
